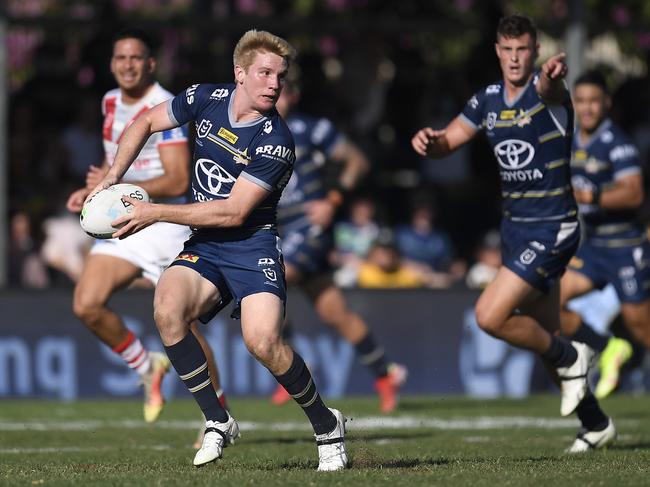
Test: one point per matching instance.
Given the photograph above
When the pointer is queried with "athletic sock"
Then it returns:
(372, 355)
(590, 415)
(586, 334)
(561, 353)
(134, 354)
(190, 363)
(299, 383)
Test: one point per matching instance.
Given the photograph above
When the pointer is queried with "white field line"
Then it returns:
(77, 449)
(361, 423)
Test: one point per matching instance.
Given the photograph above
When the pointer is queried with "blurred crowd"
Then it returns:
(413, 222)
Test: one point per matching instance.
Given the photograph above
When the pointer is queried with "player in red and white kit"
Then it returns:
(162, 169)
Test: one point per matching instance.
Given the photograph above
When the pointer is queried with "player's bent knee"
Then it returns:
(487, 321)
(264, 348)
(86, 308)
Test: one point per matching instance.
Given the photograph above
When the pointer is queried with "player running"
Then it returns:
(608, 186)
(305, 213)
(162, 169)
(528, 119)
(243, 159)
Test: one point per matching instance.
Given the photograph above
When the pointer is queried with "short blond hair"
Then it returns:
(259, 40)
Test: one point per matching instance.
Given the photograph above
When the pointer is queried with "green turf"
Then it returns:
(106, 443)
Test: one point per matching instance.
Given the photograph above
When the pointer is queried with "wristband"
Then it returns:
(595, 197)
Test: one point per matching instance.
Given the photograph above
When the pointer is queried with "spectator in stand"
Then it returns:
(26, 268)
(383, 268)
(353, 239)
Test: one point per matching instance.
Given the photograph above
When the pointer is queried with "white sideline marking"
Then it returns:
(76, 449)
(362, 423)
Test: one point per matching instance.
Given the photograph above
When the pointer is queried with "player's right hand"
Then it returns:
(103, 184)
(76, 200)
(424, 140)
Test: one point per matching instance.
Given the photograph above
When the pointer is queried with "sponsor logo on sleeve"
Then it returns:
(189, 94)
(473, 102)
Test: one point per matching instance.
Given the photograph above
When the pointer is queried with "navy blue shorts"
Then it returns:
(626, 268)
(307, 251)
(539, 252)
(237, 268)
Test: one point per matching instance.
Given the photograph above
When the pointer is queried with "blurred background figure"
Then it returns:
(26, 268)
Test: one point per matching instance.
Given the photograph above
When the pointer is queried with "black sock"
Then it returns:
(372, 355)
(590, 415)
(586, 334)
(561, 353)
(299, 383)
(190, 363)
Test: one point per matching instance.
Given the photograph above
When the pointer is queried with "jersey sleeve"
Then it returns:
(625, 159)
(187, 105)
(324, 136)
(472, 114)
(272, 158)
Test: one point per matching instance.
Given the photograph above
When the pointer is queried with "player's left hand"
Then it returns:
(142, 215)
(555, 67)
(320, 212)
(584, 196)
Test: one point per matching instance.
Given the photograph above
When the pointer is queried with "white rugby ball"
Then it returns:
(107, 206)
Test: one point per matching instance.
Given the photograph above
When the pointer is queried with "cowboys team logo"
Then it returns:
(213, 178)
(203, 129)
(514, 154)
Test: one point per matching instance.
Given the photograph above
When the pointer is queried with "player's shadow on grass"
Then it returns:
(636, 445)
(356, 437)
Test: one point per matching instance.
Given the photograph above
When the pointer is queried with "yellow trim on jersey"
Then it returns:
(537, 194)
(230, 149)
(556, 164)
(550, 136)
(519, 118)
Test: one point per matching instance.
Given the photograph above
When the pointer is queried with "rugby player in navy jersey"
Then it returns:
(528, 119)
(608, 186)
(305, 213)
(243, 158)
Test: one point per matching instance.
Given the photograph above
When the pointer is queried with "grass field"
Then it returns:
(430, 441)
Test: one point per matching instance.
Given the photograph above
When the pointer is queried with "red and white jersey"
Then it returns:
(119, 115)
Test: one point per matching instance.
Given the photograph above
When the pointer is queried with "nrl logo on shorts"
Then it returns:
(270, 274)
(527, 256)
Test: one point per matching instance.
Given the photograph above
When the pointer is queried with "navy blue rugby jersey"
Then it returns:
(532, 144)
(261, 151)
(605, 157)
(315, 140)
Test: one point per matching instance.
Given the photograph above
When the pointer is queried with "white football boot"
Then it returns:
(574, 379)
(593, 440)
(216, 437)
(331, 446)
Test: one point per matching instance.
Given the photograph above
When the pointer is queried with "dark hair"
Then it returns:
(593, 77)
(136, 33)
(516, 26)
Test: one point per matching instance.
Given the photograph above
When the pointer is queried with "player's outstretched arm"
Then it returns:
(155, 120)
(439, 143)
(551, 86)
(626, 193)
(230, 212)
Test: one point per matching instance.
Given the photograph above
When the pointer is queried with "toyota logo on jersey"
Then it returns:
(212, 178)
(514, 154)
